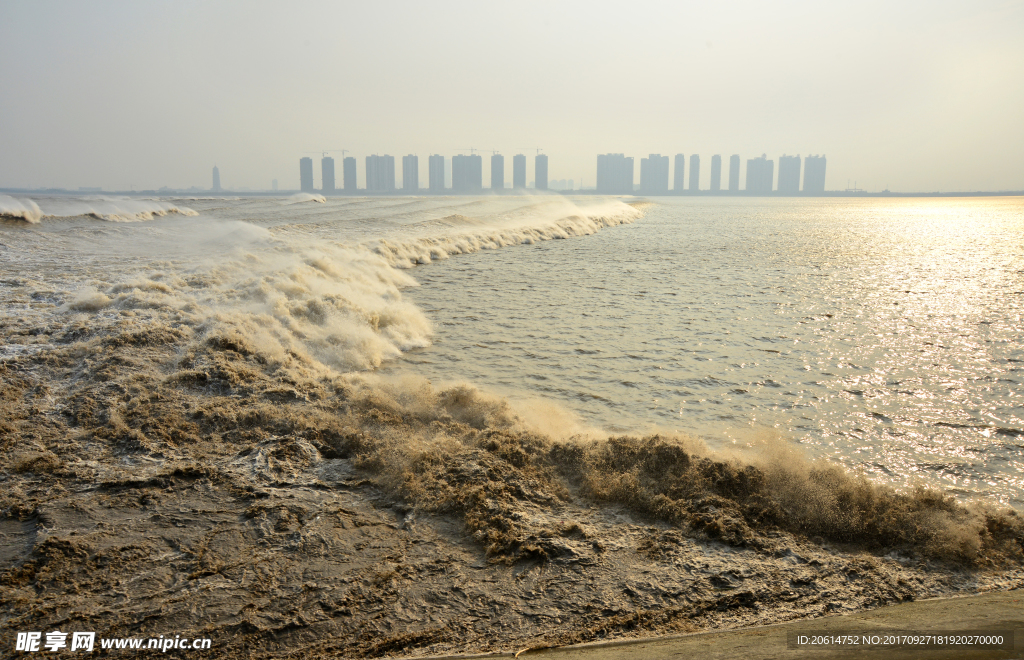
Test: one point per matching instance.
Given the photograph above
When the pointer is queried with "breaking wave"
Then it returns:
(299, 198)
(324, 305)
(327, 305)
(110, 209)
(304, 309)
(412, 252)
(16, 209)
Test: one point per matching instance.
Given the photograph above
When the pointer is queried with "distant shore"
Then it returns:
(509, 191)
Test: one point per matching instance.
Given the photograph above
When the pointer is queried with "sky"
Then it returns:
(904, 95)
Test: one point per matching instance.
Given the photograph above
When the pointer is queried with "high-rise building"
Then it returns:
(467, 174)
(760, 173)
(497, 172)
(814, 174)
(694, 173)
(654, 175)
(716, 173)
(789, 174)
(679, 178)
(540, 172)
(273, 185)
(519, 171)
(349, 173)
(435, 173)
(380, 173)
(734, 173)
(327, 175)
(216, 178)
(411, 174)
(306, 174)
(614, 174)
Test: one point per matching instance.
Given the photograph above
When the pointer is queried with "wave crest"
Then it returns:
(299, 198)
(412, 252)
(110, 209)
(17, 209)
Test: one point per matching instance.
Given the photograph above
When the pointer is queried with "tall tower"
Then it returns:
(435, 173)
(216, 179)
(789, 175)
(349, 172)
(679, 179)
(306, 174)
(380, 173)
(540, 172)
(716, 173)
(327, 175)
(614, 174)
(410, 174)
(519, 171)
(760, 174)
(467, 173)
(814, 174)
(734, 173)
(654, 175)
(694, 173)
(497, 172)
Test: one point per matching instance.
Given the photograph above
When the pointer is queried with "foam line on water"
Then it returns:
(301, 300)
(110, 209)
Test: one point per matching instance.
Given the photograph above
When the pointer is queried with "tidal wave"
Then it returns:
(190, 402)
(110, 209)
(16, 209)
(415, 251)
(298, 298)
(299, 198)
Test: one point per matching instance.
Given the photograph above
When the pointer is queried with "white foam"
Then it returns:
(23, 209)
(111, 209)
(297, 297)
(558, 221)
(299, 198)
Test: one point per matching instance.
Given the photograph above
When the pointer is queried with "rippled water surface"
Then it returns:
(884, 333)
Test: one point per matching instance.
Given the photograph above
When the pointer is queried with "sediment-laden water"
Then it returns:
(884, 334)
(386, 426)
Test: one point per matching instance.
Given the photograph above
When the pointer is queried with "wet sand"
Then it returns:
(156, 480)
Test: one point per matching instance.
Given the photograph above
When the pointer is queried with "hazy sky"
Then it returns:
(922, 95)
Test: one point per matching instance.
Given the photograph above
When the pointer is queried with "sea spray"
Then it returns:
(17, 209)
(411, 252)
(299, 198)
(110, 209)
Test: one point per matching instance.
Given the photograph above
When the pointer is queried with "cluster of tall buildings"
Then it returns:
(615, 175)
(466, 174)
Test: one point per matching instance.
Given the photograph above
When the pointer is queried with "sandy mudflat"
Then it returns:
(159, 480)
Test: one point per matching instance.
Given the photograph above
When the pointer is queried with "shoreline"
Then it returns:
(529, 192)
(980, 613)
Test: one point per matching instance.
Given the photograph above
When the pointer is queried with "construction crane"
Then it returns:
(539, 149)
(472, 151)
(323, 154)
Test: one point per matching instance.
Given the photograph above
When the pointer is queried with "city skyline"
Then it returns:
(613, 178)
(615, 175)
(926, 100)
